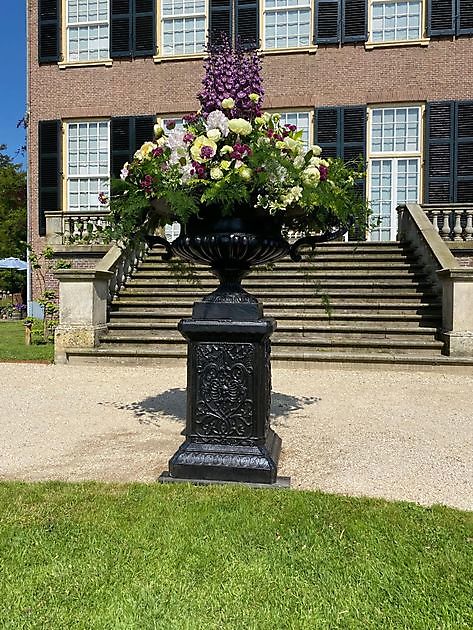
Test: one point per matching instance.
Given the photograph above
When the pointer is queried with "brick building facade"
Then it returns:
(389, 79)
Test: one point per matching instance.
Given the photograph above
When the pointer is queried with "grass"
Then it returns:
(126, 557)
(13, 348)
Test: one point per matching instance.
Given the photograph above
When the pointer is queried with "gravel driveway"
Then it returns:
(382, 433)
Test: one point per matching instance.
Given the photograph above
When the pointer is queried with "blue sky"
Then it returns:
(12, 74)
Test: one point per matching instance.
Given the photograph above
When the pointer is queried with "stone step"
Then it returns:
(285, 337)
(294, 274)
(297, 294)
(170, 328)
(252, 281)
(301, 344)
(298, 305)
(396, 318)
(280, 358)
(327, 266)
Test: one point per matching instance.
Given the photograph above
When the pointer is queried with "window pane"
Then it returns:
(301, 120)
(183, 24)
(286, 26)
(87, 30)
(395, 20)
(395, 130)
(88, 164)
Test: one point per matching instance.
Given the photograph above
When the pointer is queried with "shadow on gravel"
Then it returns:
(171, 405)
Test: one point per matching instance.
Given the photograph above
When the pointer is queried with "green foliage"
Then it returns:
(12, 208)
(177, 557)
(46, 261)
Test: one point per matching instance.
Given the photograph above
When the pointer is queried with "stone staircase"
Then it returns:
(352, 302)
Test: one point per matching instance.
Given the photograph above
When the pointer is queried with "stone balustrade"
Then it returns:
(69, 228)
(454, 283)
(453, 222)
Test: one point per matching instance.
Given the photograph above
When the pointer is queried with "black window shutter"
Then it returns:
(327, 21)
(441, 17)
(353, 133)
(144, 28)
(143, 130)
(127, 135)
(355, 18)
(439, 156)
(121, 12)
(49, 132)
(220, 21)
(464, 152)
(121, 147)
(328, 130)
(49, 33)
(465, 17)
(247, 23)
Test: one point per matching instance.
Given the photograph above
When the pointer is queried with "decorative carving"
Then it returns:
(224, 401)
(258, 462)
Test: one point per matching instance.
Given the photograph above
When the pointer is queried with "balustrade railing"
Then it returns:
(70, 228)
(453, 222)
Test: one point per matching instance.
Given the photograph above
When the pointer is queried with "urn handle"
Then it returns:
(333, 232)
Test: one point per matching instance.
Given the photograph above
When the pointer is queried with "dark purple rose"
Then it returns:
(323, 172)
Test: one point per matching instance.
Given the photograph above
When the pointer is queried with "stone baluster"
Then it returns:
(446, 225)
(68, 228)
(469, 224)
(435, 219)
(457, 227)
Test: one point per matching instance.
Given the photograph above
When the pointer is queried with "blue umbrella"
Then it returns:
(13, 263)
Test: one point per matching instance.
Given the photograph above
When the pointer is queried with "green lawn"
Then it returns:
(13, 348)
(121, 557)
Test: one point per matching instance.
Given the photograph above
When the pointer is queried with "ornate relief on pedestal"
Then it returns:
(225, 397)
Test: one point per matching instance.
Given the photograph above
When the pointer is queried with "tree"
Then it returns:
(12, 219)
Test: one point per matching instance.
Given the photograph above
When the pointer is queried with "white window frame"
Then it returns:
(394, 156)
(69, 26)
(172, 18)
(421, 39)
(265, 11)
(96, 208)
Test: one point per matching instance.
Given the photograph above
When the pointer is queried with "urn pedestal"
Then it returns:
(228, 437)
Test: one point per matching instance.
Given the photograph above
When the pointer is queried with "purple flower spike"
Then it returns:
(232, 73)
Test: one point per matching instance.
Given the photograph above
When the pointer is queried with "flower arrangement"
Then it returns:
(230, 155)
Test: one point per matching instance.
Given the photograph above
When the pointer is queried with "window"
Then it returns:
(302, 121)
(394, 165)
(88, 164)
(395, 20)
(183, 27)
(87, 30)
(287, 23)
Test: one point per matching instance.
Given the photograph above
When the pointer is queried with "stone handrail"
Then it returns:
(415, 228)
(453, 222)
(454, 283)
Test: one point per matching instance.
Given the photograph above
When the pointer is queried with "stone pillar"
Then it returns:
(83, 297)
(457, 311)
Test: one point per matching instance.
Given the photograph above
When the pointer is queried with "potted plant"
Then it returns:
(233, 169)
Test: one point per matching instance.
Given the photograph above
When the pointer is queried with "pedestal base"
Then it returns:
(228, 437)
(226, 462)
(281, 483)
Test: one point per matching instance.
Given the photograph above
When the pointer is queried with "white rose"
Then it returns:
(311, 175)
(214, 134)
(216, 173)
(316, 150)
(240, 126)
(228, 103)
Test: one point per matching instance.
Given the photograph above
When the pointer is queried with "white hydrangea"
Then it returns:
(218, 120)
